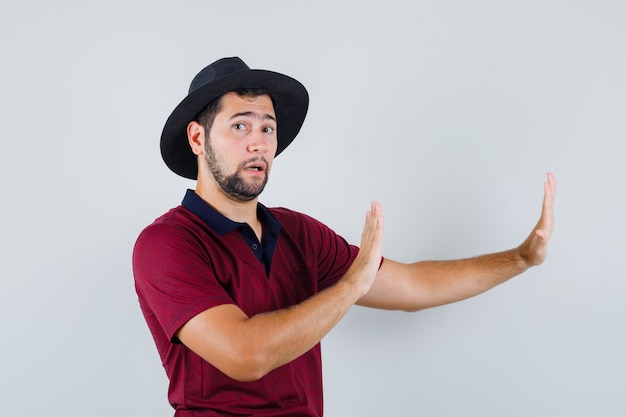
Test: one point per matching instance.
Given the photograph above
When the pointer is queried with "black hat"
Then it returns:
(290, 99)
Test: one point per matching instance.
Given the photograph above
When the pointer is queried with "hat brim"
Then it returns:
(289, 96)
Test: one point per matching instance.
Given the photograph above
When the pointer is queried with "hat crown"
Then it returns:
(218, 69)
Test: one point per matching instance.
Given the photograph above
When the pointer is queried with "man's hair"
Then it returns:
(207, 115)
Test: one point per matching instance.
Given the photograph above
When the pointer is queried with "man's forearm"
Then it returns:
(278, 337)
(437, 283)
(426, 284)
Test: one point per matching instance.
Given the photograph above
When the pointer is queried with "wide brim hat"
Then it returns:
(290, 99)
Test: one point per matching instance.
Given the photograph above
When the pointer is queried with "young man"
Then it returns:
(237, 295)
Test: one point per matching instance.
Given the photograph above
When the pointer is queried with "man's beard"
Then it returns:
(234, 185)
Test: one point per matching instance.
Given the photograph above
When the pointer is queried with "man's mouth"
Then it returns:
(258, 166)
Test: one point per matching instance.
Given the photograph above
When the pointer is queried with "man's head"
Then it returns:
(235, 140)
(289, 98)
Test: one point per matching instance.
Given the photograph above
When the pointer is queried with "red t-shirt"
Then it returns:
(185, 263)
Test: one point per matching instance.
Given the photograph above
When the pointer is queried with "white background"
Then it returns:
(448, 112)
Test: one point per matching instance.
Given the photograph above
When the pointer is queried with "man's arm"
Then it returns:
(246, 348)
(427, 284)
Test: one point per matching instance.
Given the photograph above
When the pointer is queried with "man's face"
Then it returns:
(241, 145)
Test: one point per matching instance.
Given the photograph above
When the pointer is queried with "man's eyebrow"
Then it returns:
(253, 114)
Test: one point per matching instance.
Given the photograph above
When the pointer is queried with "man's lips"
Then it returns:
(255, 167)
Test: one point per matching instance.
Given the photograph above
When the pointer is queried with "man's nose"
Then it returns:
(258, 141)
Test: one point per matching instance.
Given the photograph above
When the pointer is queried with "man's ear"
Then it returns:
(196, 137)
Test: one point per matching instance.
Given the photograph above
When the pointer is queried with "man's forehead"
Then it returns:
(233, 102)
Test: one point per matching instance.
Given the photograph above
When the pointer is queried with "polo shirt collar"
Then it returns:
(221, 224)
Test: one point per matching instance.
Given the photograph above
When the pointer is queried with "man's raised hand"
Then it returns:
(535, 248)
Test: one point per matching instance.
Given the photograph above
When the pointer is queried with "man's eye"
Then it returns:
(239, 126)
(268, 129)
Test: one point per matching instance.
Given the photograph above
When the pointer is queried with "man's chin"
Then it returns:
(244, 195)
(240, 188)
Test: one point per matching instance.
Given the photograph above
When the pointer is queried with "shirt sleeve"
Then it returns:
(335, 259)
(174, 278)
